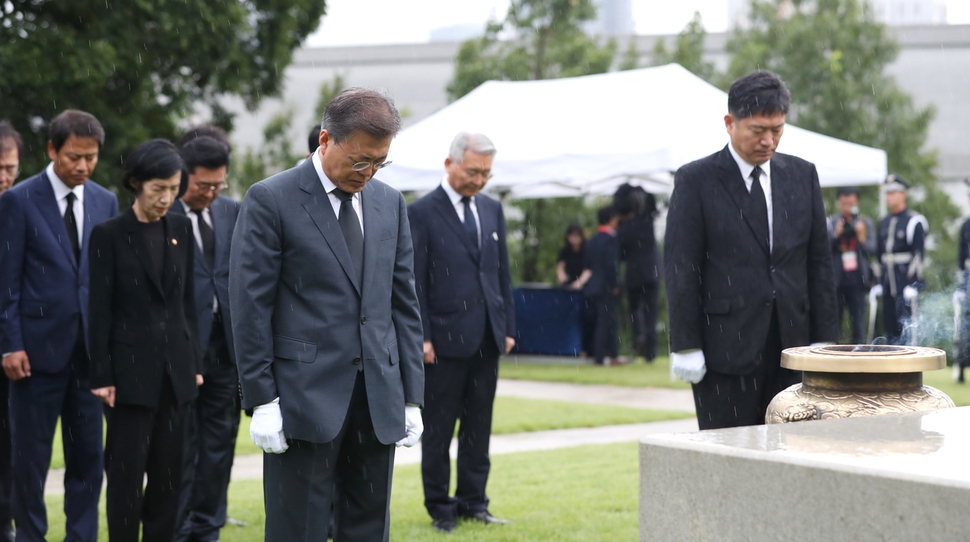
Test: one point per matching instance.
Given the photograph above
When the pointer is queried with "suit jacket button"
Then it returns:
(363, 320)
(357, 361)
(772, 268)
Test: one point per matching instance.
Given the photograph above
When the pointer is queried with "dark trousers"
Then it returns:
(853, 298)
(459, 390)
(298, 485)
(6, 470)
(724, 400)
(35, 404)
(144, 441)
(643, 315)
(896, 317)
(210, 445)
(606, 340)
(589, 325)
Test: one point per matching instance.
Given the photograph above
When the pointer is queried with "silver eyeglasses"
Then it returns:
(361, 166)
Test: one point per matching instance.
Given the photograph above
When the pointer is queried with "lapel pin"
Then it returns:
(495, 236)
(175, 242)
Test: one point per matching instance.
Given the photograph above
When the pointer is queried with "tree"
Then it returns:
(139, 66)
(547, 41)
(833, 56)
(689, 51)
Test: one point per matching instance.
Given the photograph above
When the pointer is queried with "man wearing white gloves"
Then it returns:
(748, 263)
(899, 252)
(327, 328)
(461, 269)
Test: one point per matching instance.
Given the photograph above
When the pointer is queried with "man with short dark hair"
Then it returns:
(211, 445)
(461, 271)
(853, 243)
(11, 148)
(45, 224)
(327, 328)
(748, 264)
(900, 252)
(602, 288)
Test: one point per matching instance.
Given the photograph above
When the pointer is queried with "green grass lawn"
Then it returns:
(511, 415)
(588, 493)
(656, 374)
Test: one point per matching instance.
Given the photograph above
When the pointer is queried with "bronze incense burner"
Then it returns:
(849, 381)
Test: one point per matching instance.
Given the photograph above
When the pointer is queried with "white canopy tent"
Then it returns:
(588, 135)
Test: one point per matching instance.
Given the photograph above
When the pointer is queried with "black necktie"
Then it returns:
(71, 224)
(471, 228)
(759, 206)
(208, 240)
(350, 225)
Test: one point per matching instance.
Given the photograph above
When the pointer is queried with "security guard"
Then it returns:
(900, 253)
(960, 301)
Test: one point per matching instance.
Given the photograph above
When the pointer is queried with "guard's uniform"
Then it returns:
(963, 284)
(900, 254)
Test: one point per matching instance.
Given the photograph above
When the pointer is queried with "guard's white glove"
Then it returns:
(266, 428)
(689, 366)
(910, 293)
(413, 424)
(960, 297)
(875, 292)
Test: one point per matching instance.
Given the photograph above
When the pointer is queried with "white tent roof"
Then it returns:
(587, 135)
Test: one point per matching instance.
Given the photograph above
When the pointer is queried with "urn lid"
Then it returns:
(863, 358)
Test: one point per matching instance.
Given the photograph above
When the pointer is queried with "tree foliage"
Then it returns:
(688, 51)
(538, 39)
(140, 65)
(833, 56)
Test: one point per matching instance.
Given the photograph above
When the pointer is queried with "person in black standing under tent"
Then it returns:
(569, 272)
(638, 248)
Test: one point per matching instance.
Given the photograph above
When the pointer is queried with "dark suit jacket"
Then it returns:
(722, 281)
(142, 325)
(603, 259)
(43, 288)
(300, 318)
(214, 283)
(459, 293)
(638, 248)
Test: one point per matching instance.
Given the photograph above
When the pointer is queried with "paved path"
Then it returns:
(249, 467)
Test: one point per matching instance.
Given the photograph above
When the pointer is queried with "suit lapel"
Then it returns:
(487, 225)
(779, 205)
(173, 259)
(446, 209)
(733, 183)
(179, 209)
(92, 208)
(373, 230)
(222, 232)
(138, 245)
(46, 203)
(318, 206)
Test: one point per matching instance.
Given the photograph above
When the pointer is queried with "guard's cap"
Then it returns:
(895, 183)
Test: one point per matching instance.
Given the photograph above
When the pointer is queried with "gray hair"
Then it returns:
(357, 108)
(465, 141)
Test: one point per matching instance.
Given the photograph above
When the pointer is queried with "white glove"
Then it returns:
(413, 424)
(960, 297)
(910, 293)
(689, 366)
(875, 292)
(266, 428)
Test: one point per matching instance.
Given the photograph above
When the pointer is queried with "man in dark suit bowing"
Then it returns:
(45, 225)
(327, 328)
(212, 440)
(748, 266)
(461, 268)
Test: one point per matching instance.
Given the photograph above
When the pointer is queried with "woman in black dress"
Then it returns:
(569, 265)
(145, 360)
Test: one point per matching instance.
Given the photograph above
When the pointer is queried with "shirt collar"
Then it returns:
(188, 210)
(455, 197)
(60, 189)
(747, 168)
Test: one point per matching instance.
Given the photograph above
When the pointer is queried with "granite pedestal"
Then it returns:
(894, 477)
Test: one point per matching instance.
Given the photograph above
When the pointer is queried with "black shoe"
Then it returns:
(445, 525)
(486, 518)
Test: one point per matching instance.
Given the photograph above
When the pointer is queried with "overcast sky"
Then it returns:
(369, 22)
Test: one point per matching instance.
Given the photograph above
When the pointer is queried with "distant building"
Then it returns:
(613, 18)
(890, 12)
(456, 32)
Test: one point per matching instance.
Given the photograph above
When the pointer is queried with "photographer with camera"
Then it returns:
(852, 244)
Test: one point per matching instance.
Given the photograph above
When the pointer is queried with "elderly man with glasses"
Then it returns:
(461, 269)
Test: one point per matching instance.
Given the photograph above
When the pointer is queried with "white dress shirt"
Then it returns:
(207, 216)
(60, 194)
(764, 180)
(455, 198)
(335, 200)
